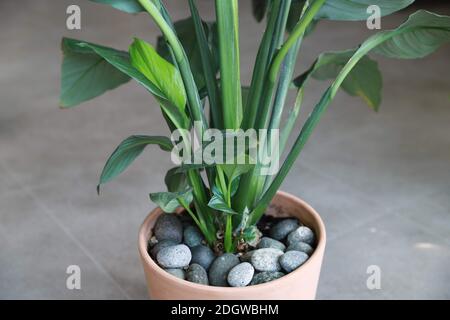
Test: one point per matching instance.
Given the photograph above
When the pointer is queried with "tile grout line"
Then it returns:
(68, 233)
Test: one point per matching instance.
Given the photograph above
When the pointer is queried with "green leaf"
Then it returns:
(118, 60)
(218, 202)
(422, 34)
(228, 31)
(232, 171)
(252, 236)
(130, 6)
(159, 71)
(127, 151)
(354, 10)
(185, 30)
(175, 180)
(245, 91)
(170, 201)
(85, 74)
(234, 186)
(186, 167)
(364, 80)
(208, 48)
(245, 216)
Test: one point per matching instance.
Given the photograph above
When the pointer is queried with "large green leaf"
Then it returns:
(185, 30)
(122, 62)
(127, 151)
(170, 201)
(364, 80)
(357, 9)
(160, 72)
(79, 55)
(130, 6)
(85, 74)
(421, 35)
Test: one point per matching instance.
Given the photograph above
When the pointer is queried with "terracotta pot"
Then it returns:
(299, 284)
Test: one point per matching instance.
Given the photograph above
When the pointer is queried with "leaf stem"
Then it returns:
(228, 237)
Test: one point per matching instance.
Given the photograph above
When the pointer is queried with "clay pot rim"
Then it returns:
(143, 240)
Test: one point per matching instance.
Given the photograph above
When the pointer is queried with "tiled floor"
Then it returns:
(381, 181)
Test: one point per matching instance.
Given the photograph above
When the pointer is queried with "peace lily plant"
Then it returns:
(194, 76)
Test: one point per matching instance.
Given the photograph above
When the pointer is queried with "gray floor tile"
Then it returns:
(341, 207)
(433, 218)
(36, 255)
(413, 263)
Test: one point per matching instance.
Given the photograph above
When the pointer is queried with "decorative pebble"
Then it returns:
(266, 259)
(168, 227)
(161, 245)
(301, 246)
(291, 260)
(179, 273)
(267, 242)
(301, 234)
(197, 274)
(220, 268)
(264, 277)
(241, 275)
(203, 256)
(173, 257)
(283, 228)
(192, 236)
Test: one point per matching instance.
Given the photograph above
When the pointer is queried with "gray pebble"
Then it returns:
(197, 274)
(241, 275)
(301, 246)
(203, 256)
(168, 227)
(219, 269)
(266, 259)
(264, 277)
(192, 236)
(173, 257)
(161, 245)
(179, 273)
(283, 228)
(267, 242)
(301, 234)
(291, 260)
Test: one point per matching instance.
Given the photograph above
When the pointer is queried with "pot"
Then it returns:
(299, 284)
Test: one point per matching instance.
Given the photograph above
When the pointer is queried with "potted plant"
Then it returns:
(222, 230)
